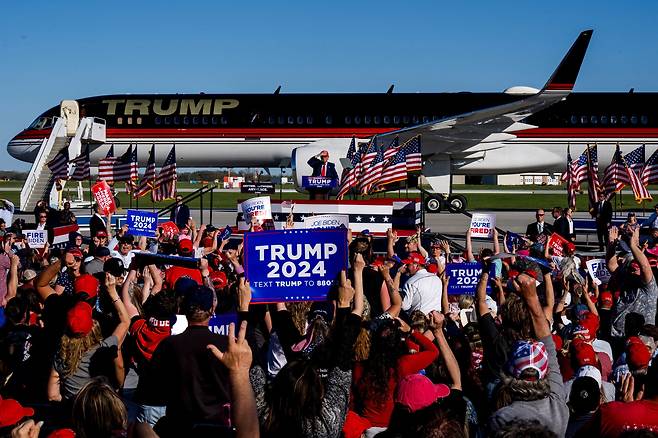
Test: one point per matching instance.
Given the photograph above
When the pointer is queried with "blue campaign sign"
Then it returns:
(226, 233)
(294, 265)
(464, 278)
(318, 182)
(142, 223)
(218, 324)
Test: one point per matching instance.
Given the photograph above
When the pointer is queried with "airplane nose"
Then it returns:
(24, 149)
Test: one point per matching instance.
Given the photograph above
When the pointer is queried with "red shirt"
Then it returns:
(616, 417)
(379, 414)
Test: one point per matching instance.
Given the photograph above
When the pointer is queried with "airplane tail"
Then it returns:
(564, 76)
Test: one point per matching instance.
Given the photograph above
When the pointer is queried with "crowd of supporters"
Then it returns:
(109, 337)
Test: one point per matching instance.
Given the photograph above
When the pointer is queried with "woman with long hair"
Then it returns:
(98, 412)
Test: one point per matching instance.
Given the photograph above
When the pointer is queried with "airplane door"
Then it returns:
(70, 112)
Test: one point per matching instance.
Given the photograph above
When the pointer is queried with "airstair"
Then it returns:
(66, 132)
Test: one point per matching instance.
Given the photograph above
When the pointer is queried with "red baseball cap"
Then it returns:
(218, 279)
(588, 326)
(637, 354)
(605, 300)
(86, 283)
(432, 268)
(583, 353)
(11, 412)
(78, 319)
(75, 252)
(414, 257)
(185, 247)
(416, 392)
(62, 433)
(101, 233)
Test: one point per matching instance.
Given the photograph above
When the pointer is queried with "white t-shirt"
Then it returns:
(422, 292)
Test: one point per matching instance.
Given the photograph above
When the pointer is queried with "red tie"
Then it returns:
(324, 170)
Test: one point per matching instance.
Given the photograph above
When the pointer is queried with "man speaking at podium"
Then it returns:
(322, 167)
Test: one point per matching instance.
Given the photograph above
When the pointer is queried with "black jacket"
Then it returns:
(532, 231)
(181, 218)
(316, 164)
(561, 227)
(96, 224)
(602, 212)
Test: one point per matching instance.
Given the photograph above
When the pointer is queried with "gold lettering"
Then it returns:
(112, 105)
(222, 104)
(140, 105)
(189, 106)
(157, 107)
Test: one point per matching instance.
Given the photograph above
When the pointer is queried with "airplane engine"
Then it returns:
(337, 148)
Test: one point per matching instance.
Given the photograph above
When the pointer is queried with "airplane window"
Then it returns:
(214, 120)
(204, 120)
(623, 120)
(176, 120)
(594, 120)
(348, 120)
(426, 119)
(574, 120)
(130, 120)
(223, 120)
(406, 119)
(300, 120)
(291, 120)
(644, 120)
(634, 120)
(195, 120)
(328, 120)
(583, 120)
(387, 120)
(604, 120)
(416, 120)
(167, 120)
(367, 120)
(281, 120)
(613, 120)
(357, 120)
(139, 120)
(271, 120)
(377, 120)
(119, 120)
(309, 120)
(158, 120)
(186, 120)
(396, 120)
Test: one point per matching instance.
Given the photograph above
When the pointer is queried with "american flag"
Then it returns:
(123, 168)
(578, 171)
(148, 180)
(347, 179)
(59, 166)
(615, 176)
(649, 173)
(165, 183)
(392, 149)
(571, 187)
(369, 155)
(82, 166)
(395, 169)
(414, 158)
(631, 160)
(593, 185)
(372, 174)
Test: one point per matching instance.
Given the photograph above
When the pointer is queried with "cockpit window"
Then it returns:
(41, 123)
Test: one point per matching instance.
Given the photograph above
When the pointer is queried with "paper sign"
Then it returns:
(482, 225)
(142, 223)
(318, 182)
(258, 208)
(464, 278)
(323, 221)
(557, 242)
(36, 238)
(598, 271)
(218, 324)
(226, 233)
(169, 228)
(513, 239)
(104, 199)
(294, 265)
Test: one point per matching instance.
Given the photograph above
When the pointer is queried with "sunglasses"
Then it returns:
(540, 214)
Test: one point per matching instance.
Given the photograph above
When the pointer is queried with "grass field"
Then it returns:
(476, 201)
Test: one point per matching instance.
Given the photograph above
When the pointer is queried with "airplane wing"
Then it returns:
(457, 134)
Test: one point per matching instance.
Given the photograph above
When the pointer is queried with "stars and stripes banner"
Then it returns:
(593, 184)
(372, 174)
(615, 176)
(414, 156)
(59, 166)
(649, 174)
(348, 178)
(165, 183)
(392, 149)
(115, 169)
(148, 180)
(631, 159)
(635, 159)
(571, 187)
(81, 165)
(395, 169)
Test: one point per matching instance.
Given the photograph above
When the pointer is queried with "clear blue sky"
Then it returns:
(51, 51)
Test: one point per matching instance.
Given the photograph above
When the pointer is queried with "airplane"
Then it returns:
(522, 129)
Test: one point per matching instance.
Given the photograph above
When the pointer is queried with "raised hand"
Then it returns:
(237, 357)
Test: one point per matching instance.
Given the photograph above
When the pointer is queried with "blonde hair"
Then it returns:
(98, 411)
(72, 349)
(362, 345)
(299, 312)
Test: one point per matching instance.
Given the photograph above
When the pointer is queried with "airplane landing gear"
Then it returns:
(453, 203)
(457, 203)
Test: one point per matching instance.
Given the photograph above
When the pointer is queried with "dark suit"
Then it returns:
(561, 227)
(532, 231)
(96, 224)
(330, 172)
(602, 212)
(180, 214)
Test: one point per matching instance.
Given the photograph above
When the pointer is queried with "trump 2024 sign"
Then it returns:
(294, 265)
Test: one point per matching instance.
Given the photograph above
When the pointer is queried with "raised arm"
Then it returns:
(12, 280)
(436, 321)
(359, 265)
(469, 246)
(528, 291)
(550, 296)
(496, 243)
(391, 238)
(445, 280)
(42, 282)
(124, 320)
(640, 258)
(393, 288)
(419, 235)
(131, 310)
(481, 292)
(611, 254)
